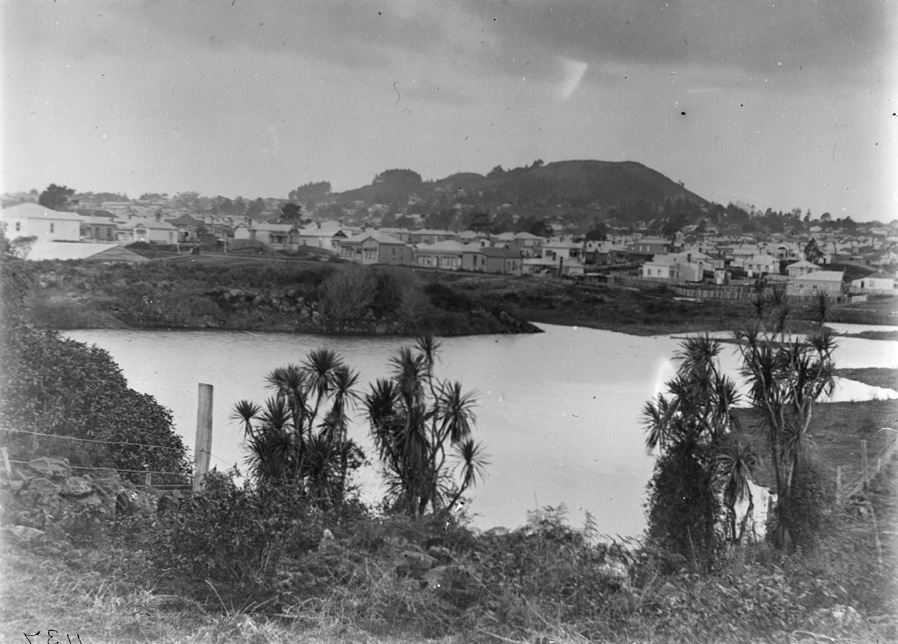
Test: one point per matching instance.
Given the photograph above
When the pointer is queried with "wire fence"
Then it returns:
(146, 472)
(845, 490)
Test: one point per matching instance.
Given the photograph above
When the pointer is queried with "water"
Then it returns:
(559, 412)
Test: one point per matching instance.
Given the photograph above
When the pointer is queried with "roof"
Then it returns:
(185, 220)
(36, 211)
(802, 263)
(878, 275)
(146, 222)
(499, 252)
(376, 235)
(526, 235)
(445, 246)
(74, 250)
(821, 276)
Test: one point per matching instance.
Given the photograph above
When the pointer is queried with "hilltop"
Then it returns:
(577, 183)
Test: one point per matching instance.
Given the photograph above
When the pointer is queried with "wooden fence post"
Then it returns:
(148, 479)
(203, 448)
(864, 462)
(838, 483)
(6, 468)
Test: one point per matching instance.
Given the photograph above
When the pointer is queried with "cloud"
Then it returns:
(846, 39)
(573, 74)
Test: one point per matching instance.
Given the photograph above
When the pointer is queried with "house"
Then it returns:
(278, 236)
(827, 283)
(375, 247)
(604, 253)
(187, 227)
(556, 248)
(759, 265)
(802, 267)
(146, 229)
(34, 220)
(504, 261)
(529, 244)
(650, 246)
(97, 252)
(326, 235)
(100, 229)
(662, 267)
(878, 283)
(446, 255)
(430, 236)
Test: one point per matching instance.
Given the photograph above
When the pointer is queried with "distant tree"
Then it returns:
(812, 252)
(396, 176)
(538, 164)
(256, 207)
(291, 212)
(57, 198)
(599, 232)
(479, 222)
(498, 171)
(310, 191)
(541, 228)
(826, 217)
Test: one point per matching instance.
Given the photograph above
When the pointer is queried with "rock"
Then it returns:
(126, 503)
(24, 533)
(40, 494)
(441, 554)
(51, 467)
(414, 564)
(107, 480)
(76, 486)
(327, 542)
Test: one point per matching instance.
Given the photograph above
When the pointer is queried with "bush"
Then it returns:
(235, 533)
(347, 292)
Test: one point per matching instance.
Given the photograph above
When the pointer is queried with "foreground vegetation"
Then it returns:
(292, 552)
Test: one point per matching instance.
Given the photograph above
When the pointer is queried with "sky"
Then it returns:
(776, 103)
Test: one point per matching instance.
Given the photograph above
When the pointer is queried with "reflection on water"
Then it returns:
(559, 412)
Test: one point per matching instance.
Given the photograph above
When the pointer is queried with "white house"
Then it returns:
(324, 234)
(758, 265)
(34, 220)
(878, 283)
(148, 230)
(662, 267)
(802, 267)
(817, 283)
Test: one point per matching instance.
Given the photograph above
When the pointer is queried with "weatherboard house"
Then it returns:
(375, 247)
(878, 283)
(34, 220)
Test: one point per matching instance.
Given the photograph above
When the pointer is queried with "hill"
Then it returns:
(578, 183)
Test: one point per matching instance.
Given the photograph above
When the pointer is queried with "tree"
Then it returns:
(57, 198)
(826, 217)
(599, 232)
(812, 252)
(291, 212)
(688, 425)
(785, 379)
(300, 435)
(416, 419)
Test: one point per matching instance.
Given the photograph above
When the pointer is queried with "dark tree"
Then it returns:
(291, 212)
(57, 198)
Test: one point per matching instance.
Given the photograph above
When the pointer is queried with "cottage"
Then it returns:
(326, 235)
(662, 267)
(375, 247)
(149, 230)
(100, 229)
(802, 267)
(34, 220)
(492, 260)
(446, 255)
(878, 283)
(827, 283)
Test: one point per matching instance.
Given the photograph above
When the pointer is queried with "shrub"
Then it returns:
(347, 292)
(235, 533)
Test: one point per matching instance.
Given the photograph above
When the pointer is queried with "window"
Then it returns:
(52, 228)
(18, 226)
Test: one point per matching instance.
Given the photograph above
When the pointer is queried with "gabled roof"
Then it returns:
(802, 263)
(878, 275)
(376, 235)
(36, 211)
(185, 220)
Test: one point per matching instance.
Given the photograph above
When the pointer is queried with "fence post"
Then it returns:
(203, 447)
(6, 468)
(864, 462)
(148, 479)
(839, 483)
